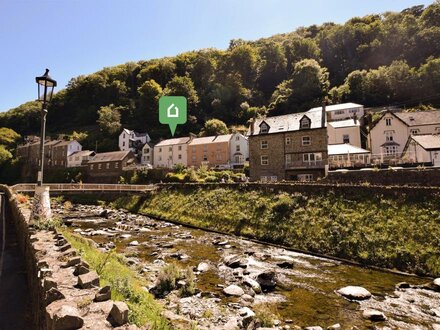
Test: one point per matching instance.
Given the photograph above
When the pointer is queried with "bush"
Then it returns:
(189, 288)
(166, 280)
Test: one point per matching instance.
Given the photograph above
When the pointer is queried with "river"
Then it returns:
(305, 294)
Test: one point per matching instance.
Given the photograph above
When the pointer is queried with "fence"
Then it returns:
(26, 187)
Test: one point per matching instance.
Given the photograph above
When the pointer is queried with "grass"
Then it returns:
(391, 232)
(124, 282)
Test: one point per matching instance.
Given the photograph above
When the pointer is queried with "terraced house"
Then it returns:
(289, 147)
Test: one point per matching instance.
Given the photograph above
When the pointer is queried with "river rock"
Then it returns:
(63, 317)
(246, 313)
(103, 294)
(52, 295)
(354, 293)
(233, 290)
(203, 267)
(253, 284)
(119, 313)
(88, 280)
(234, 261)
(125, 236)
(267, 280)
(336, 326)
(313, 328)
(133, 243)
(436, 283)
(402, 285)
(373, 315)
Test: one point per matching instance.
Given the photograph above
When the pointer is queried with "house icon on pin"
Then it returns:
(171, 113)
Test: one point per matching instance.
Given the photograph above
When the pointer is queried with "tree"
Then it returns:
(243, 59)
(109, 119)
(5, 155)
(148, 103)
(214, 127)
(183, 86)
(8, 137)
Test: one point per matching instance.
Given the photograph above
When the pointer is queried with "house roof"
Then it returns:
(427, 141)
(343, 149)
(137, 134)
(419, 117)
(110, 156)
(290, 122)
(65, 142)
(341, 106)
(344, 123)
(211, 139)
(82, 153)
(175, 141)
(52, 143)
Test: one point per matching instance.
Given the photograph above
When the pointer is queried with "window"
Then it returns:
(263, 144)
(237, 148)
(146, 150)
(305, 122)
(193, 149)
(306, 140)
(205, 158)
(264, 128)
(179, 148)
(160, 158)
(389, 136)
(205, 148)
(148, 158)
(99, 166)
(170, 148)
(288, 160)
(345, 138)
(180, 157)
(388, 121)
(107, 165)
(264, 160)
(312, 157)
(218, 156)
(391, 150)
(123, 144)
(237, 138)
(193, 158)
(414, 131)
(288, 140)
(339, 112)
(91, 166)
(305, 177)
(353, 110)
(160, 149)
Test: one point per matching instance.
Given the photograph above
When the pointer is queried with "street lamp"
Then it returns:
(45, 91)
(41, 208)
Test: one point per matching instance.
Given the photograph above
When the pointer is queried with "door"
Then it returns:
(436, 158)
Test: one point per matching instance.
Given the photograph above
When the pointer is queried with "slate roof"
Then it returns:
(345, 148)
(288, 123)
(109, 156)
(419, 118)
(82, 153)
(211, 139)
(427, 141)
(174, 141)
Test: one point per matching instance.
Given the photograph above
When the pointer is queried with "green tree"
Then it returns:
(5, 155)
(109, 119)
(8, 137)
(243, 59)
(214, 127)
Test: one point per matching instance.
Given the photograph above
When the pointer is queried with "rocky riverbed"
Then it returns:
(237, 278)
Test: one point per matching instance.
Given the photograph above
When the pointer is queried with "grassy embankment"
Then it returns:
(125, 284)
(392, 232)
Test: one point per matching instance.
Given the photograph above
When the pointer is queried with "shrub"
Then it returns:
(189, 288)
(167, 280)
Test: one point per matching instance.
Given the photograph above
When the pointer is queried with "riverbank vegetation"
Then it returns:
(125, 284)
(392, 232)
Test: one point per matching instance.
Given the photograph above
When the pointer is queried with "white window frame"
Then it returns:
(264, 144)
(306, 140)
(264, 160)
(264, 128)
(288, 140)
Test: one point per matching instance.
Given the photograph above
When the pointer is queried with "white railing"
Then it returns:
(26, 187)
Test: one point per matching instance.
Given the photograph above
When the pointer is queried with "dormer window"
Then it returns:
(305, 122)
(264, 128)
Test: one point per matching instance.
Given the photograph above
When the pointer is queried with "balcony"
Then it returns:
(303, 164)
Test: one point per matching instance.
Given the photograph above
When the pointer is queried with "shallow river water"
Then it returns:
(305, 294)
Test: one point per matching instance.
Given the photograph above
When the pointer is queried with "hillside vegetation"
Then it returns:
(392, 232)
(391, 58)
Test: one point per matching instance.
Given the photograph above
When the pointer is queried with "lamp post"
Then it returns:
(41, 210)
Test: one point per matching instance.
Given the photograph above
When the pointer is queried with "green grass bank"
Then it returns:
(124, 282)
(395, 231)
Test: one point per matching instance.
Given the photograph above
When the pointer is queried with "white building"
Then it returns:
(79, 158)
(147, 154)
(344, 131)
(239, 149)
(347, 155)
(390, 133)
(171, 152)
(131, 140)
(342, 111)
(423, 149)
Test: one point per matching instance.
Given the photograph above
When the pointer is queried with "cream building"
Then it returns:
(171, 152)
(344, 131)
(342, 111)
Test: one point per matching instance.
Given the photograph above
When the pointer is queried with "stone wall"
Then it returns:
(411, 177)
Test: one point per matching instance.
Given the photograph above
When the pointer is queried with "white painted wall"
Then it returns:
(126, 135)
(336, 135)
(73, 146)
(147, 155)
(169, 155)
(238, 144)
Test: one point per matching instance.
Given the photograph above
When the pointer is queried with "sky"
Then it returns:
(74, 37)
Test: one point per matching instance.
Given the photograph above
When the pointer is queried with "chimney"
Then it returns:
(323, 113)
(252, 128)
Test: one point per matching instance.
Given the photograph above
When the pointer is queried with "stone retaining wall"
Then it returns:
(65, 293)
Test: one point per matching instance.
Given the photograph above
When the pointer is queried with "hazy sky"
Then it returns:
(73, 37)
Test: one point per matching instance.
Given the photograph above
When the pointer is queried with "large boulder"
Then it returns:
(253, 284)
(119, 313)
(234, 261)
(354, 293)
(103, 294)
(374, 315)
(267, 280)
(52, 295)
(233, 290)
(88, 280)
(61, 316)
(203, 267)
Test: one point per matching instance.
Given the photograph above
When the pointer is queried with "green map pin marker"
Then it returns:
(172, 111)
